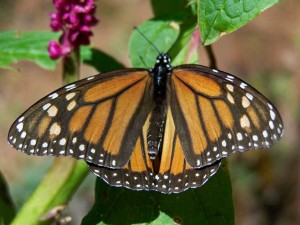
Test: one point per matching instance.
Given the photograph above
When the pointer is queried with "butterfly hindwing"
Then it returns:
(217, 114)
(172, 175)
(97, 119)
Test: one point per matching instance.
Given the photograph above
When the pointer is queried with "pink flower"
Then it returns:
(75, 18)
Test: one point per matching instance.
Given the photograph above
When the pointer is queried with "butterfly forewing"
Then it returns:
(173, 174)
(217, 114)
(90, 119)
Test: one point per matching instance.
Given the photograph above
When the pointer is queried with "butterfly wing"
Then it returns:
(97, 119)
(216, 114)
(173, 174)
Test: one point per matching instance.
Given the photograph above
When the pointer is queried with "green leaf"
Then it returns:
(31, 46)
(7, 209)
(161, 35)
(161, 8)
(176, 40)
(210, 204)
(219, 17)
(99, 60)
(185, 50)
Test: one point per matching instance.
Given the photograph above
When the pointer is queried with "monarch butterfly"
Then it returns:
(162, 129)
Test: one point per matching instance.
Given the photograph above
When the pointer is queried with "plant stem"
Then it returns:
(64, 176)
(211, 56)
(71, 67)
(58, 186)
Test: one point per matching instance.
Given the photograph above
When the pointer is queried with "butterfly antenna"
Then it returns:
(137, 29)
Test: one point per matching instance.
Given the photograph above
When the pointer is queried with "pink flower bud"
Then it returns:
(74, 18)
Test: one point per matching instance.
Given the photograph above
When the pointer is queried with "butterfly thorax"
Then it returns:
(160, 73)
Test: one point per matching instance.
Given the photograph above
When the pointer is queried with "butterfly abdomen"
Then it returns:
(160, 73)
(156, 129)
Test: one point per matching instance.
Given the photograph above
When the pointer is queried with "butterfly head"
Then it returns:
(161, 71)
(163, 60)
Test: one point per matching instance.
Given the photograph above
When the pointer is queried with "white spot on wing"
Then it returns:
(62, 141)
(74, 140)
(20, 127)
(230, 98)
(52, 111)
(272, 114)
(53, 96)
(70, 87)
(46, 106)
(23, 135)
(224, 143)
(224, 153)
(278, 130)
(81, 147)
(245, 102)
(33, 142)
(71, 105)
(55, 129)
(239, 136)
(270, 106)
(45, 145)
(271, 125)
(243, 85)
(229, 87)
(249, 96)
(231, 80)
(244, 121)
(90, 78)
(70, 95)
